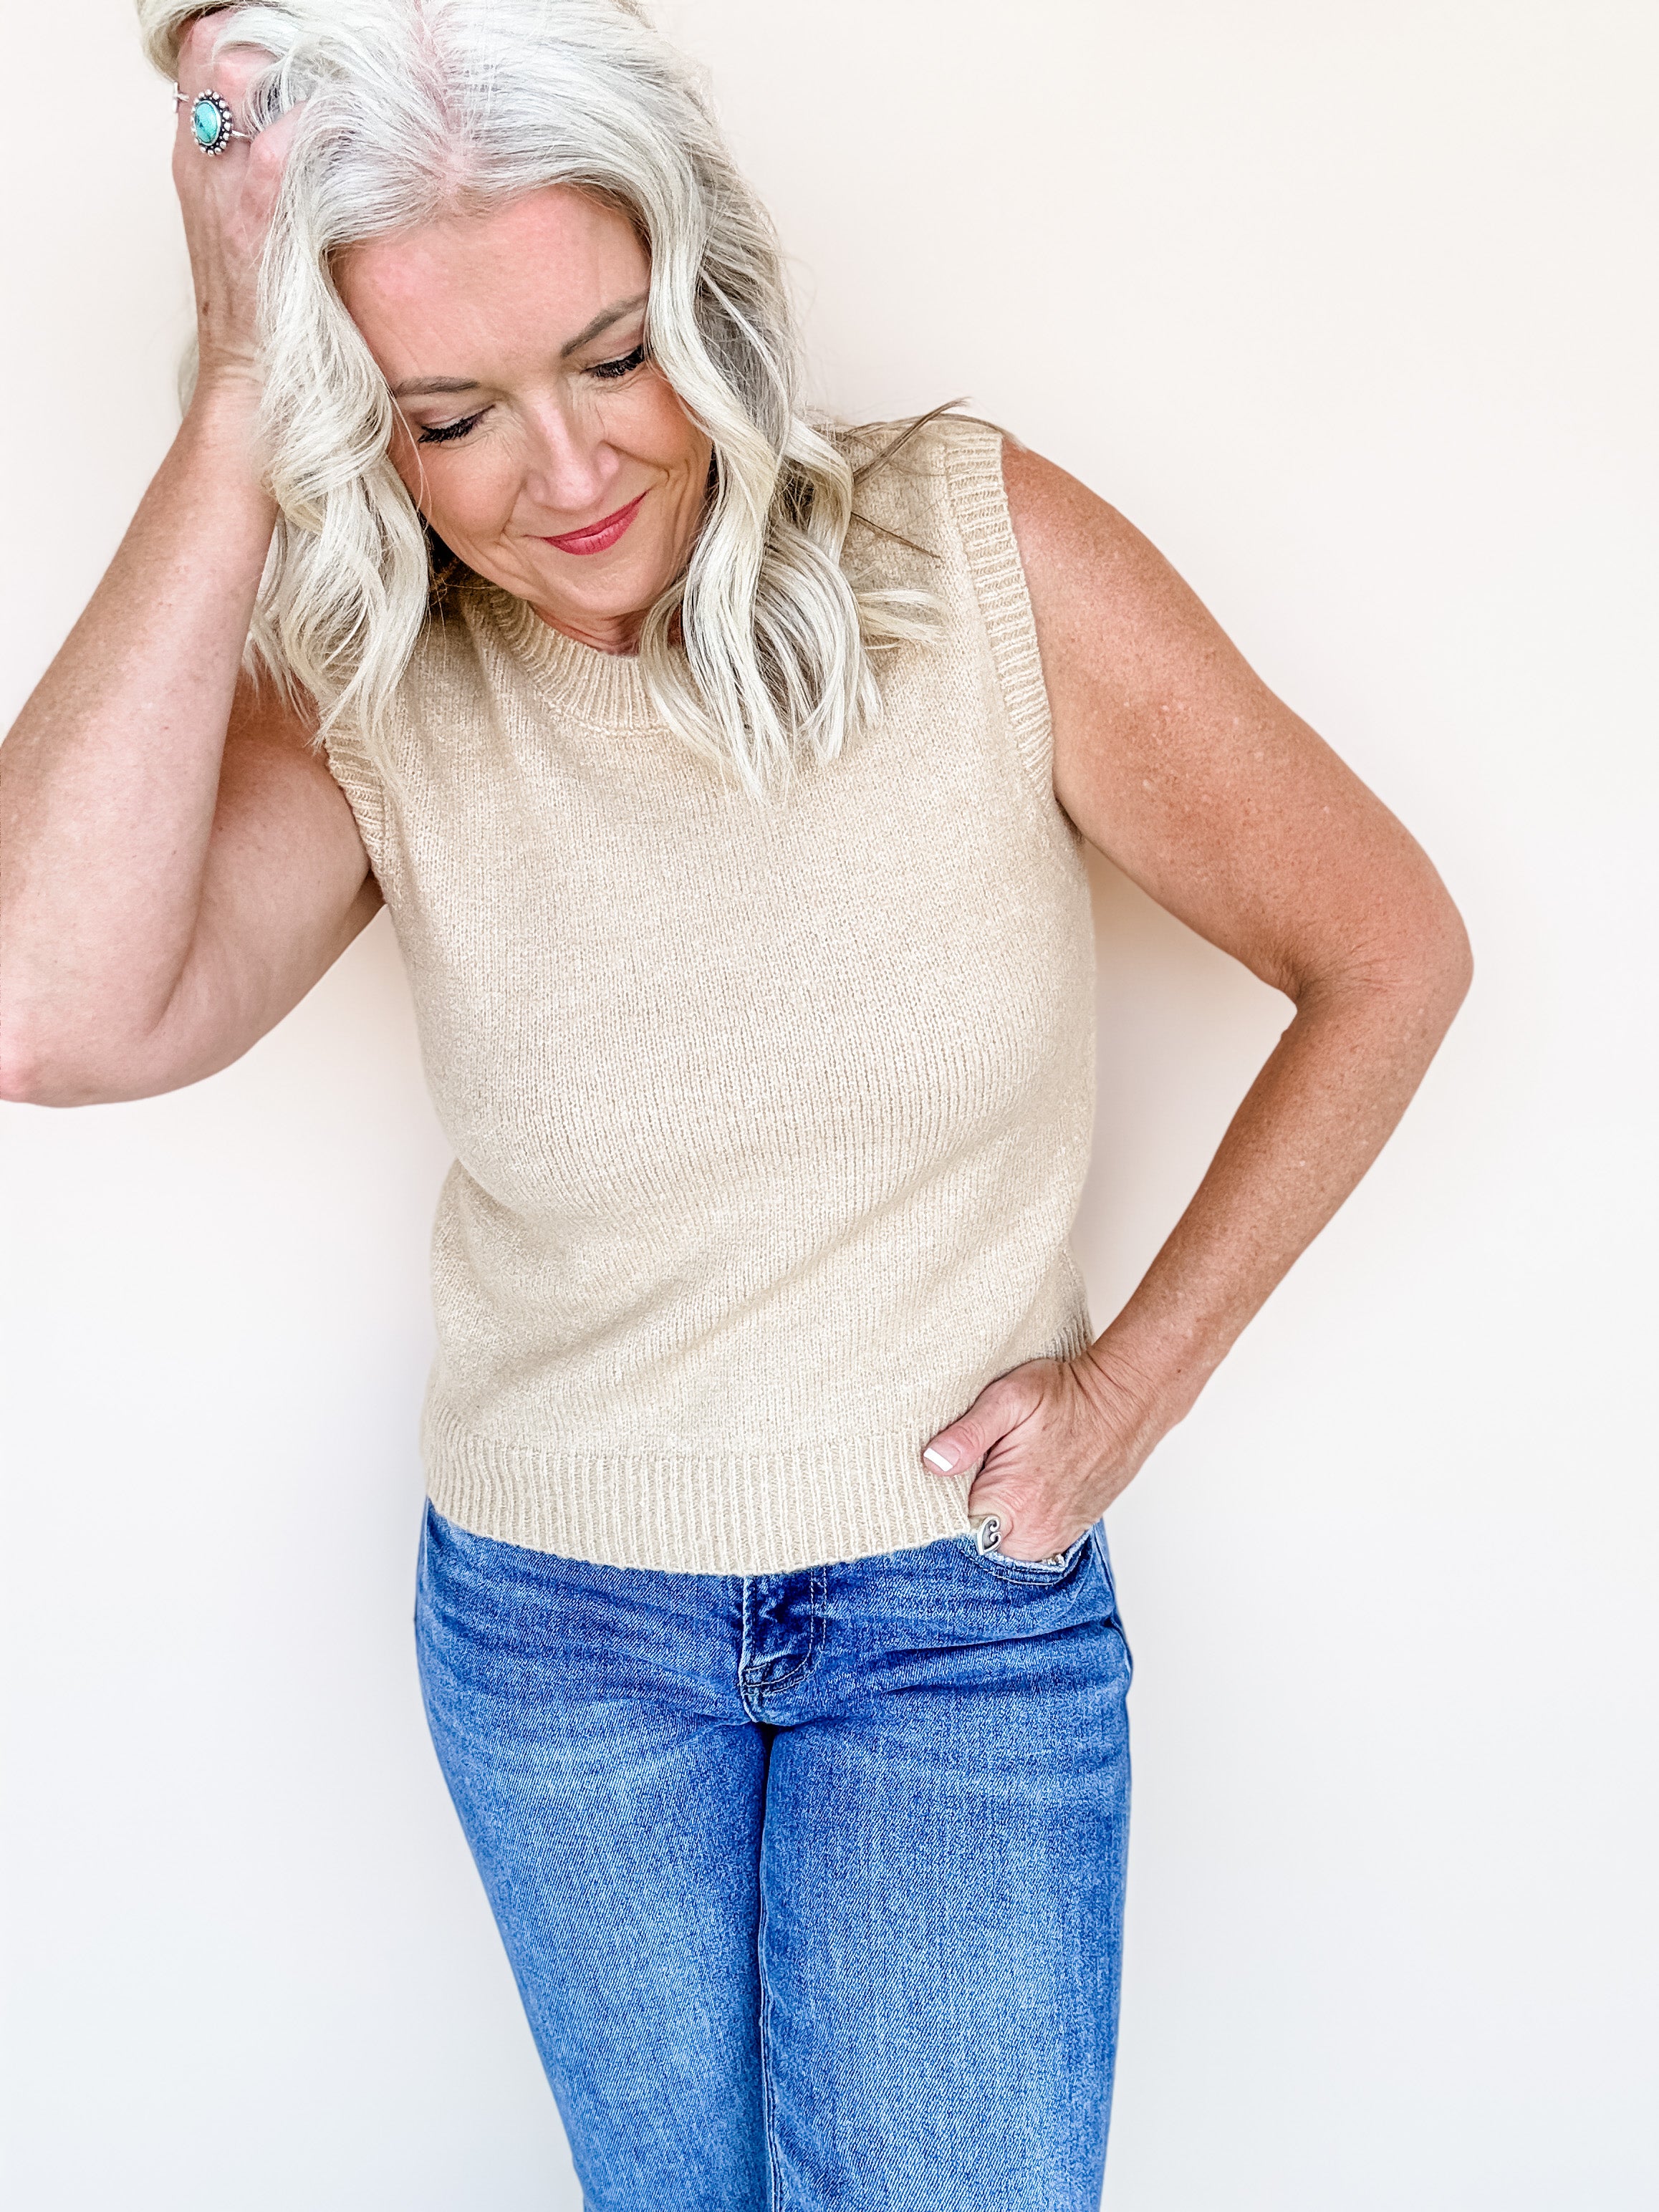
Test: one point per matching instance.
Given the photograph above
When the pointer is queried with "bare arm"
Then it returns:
(176, 866)
(1174, 758)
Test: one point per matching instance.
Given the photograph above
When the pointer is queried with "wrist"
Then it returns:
(1144, 1388)
(221, 423)
(227, 389)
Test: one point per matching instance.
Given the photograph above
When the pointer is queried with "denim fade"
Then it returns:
(812, 1883)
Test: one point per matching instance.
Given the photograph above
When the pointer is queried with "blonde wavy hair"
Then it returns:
(760, 654)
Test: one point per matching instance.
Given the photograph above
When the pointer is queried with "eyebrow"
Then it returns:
(426, 387)
(602, 321)
(430, 387)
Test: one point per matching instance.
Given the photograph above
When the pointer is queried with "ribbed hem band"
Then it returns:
(738, 1513)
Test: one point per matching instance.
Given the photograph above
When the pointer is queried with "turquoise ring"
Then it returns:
(212, 125)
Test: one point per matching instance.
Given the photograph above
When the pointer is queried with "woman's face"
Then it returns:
(535, 437)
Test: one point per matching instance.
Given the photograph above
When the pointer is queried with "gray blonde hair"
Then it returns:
(760, 652)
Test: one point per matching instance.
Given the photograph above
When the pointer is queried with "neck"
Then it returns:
(605, 633)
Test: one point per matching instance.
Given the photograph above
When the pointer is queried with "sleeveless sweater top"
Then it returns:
(771, 1120)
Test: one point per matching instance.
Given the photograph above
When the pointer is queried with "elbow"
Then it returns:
(31, 1077)
(1416, 956)
(29, 1051)
(37, 1069)
(1443, 959)
(45, 1064)
(1429, 967)
(24, 1080)
(1460, 963)
(63, 1045)
(1427, 972)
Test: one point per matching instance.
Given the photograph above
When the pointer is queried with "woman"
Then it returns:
(727, 781)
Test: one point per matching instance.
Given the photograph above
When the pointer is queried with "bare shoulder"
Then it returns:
(1145, 689)
(1053, 513)
(1110, 611)
(1173, 757)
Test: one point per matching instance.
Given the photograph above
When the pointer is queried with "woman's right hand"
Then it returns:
(227, 200)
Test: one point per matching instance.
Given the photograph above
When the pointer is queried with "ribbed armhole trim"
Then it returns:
(364, 793)
(974, 471)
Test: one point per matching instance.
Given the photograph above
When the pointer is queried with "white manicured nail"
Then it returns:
(944, 1461)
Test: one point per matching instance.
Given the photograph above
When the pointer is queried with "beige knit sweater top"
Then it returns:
(770, 1119)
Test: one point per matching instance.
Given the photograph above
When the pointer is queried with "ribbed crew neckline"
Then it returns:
(606, 689)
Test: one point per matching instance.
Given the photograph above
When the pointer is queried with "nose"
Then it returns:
(569, 466)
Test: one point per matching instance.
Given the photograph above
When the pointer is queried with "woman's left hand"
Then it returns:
(1055, 1441)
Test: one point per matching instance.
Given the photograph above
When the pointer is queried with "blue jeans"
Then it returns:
(812, 1882)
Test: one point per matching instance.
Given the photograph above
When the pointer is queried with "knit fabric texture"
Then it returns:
(771, 1121)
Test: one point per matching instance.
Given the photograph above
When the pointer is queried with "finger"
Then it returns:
(271, 146)
(229, 74)
(267, 158)
(1001, 1406)
(196, 47)
(1031, 1524)
(200, 56)
(263, 152)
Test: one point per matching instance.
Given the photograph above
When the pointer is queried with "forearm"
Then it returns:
(1310, 1125)
(109, 778)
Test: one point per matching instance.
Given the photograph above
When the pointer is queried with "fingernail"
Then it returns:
(943, 1459)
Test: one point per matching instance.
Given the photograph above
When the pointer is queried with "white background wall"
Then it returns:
(1347, 307)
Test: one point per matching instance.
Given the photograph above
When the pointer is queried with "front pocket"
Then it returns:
(1038, 1573)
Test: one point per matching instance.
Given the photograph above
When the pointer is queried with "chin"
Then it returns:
(610, 596)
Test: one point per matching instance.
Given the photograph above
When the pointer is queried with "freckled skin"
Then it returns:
(1174, 759)
(181, 867)
(494, 297)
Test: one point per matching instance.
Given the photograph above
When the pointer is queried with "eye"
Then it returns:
(438, 433)
(609, 371)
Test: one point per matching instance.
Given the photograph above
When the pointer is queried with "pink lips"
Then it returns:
(598, 534)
